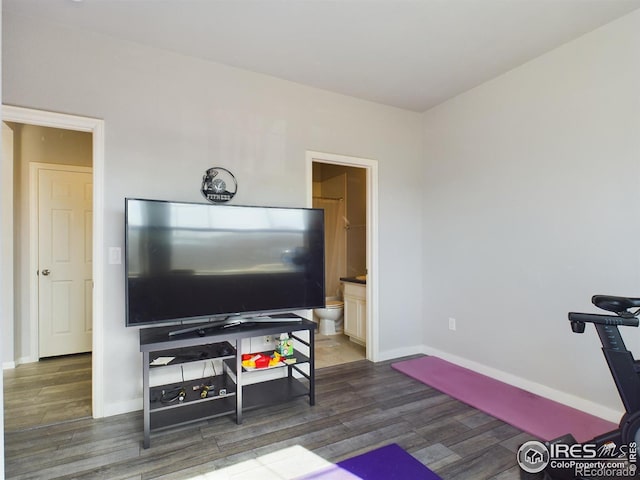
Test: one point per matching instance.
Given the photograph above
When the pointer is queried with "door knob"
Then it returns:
(46, 272)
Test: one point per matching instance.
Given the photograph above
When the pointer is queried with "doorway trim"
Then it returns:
(371, 167)
(96, 128)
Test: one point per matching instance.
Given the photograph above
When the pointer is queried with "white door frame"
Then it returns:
(371, 166)
(7, 309)
(34, 235)
(96, 128)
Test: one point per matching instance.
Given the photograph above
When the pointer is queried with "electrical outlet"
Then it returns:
(452, 323)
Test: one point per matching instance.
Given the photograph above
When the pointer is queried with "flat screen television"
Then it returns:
(188, 261)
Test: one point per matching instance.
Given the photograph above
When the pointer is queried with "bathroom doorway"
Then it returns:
(342, 187)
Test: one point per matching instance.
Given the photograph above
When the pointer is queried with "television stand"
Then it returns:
(183, 402)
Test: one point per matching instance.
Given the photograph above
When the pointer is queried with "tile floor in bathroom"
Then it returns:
(336, 349)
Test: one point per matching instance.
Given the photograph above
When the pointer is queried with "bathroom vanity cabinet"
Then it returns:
(355, 312)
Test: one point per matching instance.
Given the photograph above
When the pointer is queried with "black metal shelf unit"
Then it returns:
(173, 404)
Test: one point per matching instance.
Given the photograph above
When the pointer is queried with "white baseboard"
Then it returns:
(8, 365)
(119, 408)
(20, 361)
(578, 403)
(400, 352)
(23, 360)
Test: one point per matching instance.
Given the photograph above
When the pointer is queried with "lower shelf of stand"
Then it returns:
(193, 408)
(193, 412)
(272, 392)
(192, 393)
(254, 396)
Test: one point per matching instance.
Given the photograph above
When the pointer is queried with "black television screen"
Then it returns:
(196, 261)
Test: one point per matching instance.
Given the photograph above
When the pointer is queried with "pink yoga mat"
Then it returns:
(538, 416)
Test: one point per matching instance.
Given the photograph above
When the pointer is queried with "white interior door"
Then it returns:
(64, 261)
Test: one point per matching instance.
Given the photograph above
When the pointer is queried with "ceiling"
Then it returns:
(412, 54)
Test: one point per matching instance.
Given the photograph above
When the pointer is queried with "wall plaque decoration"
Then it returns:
(218, 185)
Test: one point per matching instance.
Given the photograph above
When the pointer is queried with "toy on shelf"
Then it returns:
(261, 360)
(285, 346)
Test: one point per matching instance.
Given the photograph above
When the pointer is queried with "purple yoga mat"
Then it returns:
(387, 463)
(538, 416)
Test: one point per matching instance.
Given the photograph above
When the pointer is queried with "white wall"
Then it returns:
(168, 118)
(532, 205)
(54, 145)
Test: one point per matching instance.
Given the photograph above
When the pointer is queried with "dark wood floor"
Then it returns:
(359, 406)
(47, 392)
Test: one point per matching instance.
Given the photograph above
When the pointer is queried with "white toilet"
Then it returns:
(330, 316)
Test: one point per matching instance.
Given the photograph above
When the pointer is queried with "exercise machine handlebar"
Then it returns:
(603, 319)
(578, 320)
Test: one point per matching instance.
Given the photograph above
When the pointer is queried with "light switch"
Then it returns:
(115, 255)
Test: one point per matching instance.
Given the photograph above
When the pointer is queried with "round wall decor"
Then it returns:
(218, 185)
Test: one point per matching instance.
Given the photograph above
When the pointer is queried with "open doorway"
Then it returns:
(56, 141)
(52, 185)
(346, 188)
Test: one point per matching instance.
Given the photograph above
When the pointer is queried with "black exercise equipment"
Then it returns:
(625, 370)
